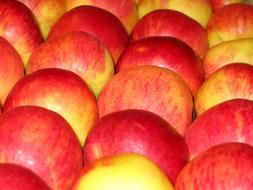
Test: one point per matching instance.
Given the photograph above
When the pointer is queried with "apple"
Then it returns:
(138, 131)
(167, 52)
(199, 10)
(230, 22)
(229, 82)
(78, 52)
(42, 141)
(217, 4)
(58, 90)
(150, 88)
(124, 172)
(46, 12)
(17, 25)
(166, 22)
(240, 50)
(11, 68)
(96, 21)
(16, 177)
(229, 121)
(225, 166)
(125, 10)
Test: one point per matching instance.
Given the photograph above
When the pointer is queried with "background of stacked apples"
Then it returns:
(126, 95)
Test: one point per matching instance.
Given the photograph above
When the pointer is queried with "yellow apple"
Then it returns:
(199, 10)
(240, 50)
(124, 172)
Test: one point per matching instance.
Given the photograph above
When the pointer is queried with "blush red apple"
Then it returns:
(167, 52)
(96, 21)
(138, 131)
(61, 91)
(165, 22)
(42, 141)
(78, 52)
(18, 26)
(151, 88)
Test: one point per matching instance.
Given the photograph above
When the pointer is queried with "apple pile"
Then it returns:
(126, 94)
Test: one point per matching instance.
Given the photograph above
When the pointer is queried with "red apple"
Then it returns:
(217, 4)
(231, 81)
(42, 141)
(61, 91)
(16, 177)
(76, 51)
(199, 10)
(230, 22)
(11, 68)
(46, 12)
(125, 10)
(151, 88)
(17, 25)
(240, 50)
(230, 121)
(226, 166)
(138, 131)
(96, 21)
(124, 172)
(172, 23)
(167, 52)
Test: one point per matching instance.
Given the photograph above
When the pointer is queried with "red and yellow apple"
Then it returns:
(165, 22)
(229, 121)
(125, 10)
(217, 4)
(199, 10)
(150, 88)
(17, 177)
(226, 166)
(96, 21)
(167, 52)
(11, 68)
(240, 50)
(42, 141)
(230, 22)
(58, 90)
(138, 131)
(78, 52)
(231, 81)
(124, 172)
(17, 25)
(46, 12)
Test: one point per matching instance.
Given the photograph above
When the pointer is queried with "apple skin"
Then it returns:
(78, 52)
(229, 121)
(231, 81)
(199, 10)
(138, 131)
(226, 166)
(58, 90)
(217, 4)
(46, 12)
(11, 68)
(124, 171)
(16, 177)
(230, 22)
(150, 88)
(125, 10)
(240, 50)
(167, 52)
(18, 26)
(165, 22)
(96, 21)
(42, 141)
